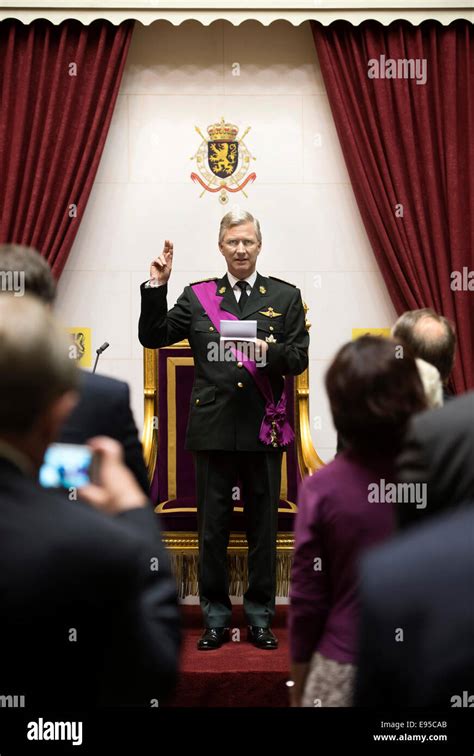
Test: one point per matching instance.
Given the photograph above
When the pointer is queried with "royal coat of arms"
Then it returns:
(223, 161)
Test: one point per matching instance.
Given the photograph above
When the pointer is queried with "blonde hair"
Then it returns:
(237, 218)
(35, 367)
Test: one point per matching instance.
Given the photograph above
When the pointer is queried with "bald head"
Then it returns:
(429, 336)
(428, 329)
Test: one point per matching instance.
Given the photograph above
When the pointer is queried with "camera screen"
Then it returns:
(66, 466)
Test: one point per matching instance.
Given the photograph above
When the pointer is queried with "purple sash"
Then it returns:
(275, 428)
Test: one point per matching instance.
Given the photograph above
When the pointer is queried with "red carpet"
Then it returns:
(238, 674)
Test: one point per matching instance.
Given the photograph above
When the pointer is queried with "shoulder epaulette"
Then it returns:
(203, 281)
(274, 278)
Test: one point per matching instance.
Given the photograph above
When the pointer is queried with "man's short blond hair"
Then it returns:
(35, 367)
(237, 218)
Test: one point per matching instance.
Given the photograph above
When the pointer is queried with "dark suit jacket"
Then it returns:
(104, 410)
(439, 451)
(422, 584)
(85, 618)
(224, 415)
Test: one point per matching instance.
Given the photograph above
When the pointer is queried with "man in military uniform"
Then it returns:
(237, 427)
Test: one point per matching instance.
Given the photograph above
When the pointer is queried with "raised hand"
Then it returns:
(160, 268)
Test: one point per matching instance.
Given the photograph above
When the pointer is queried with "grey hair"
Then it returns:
(37, 275)
(237, 218)
(35, 368)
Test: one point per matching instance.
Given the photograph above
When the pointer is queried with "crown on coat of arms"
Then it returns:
(222, 131)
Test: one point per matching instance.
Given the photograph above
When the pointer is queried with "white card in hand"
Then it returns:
(238, 330)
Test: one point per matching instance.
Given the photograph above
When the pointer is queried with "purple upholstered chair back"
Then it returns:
(173, 487)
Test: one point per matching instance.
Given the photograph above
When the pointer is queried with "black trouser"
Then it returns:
(217, 475)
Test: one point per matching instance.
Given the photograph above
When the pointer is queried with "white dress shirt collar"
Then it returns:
(250, 279)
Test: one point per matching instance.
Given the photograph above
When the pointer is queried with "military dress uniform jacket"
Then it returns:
(226, 407)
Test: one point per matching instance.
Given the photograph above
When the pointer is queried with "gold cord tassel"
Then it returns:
(185, 570)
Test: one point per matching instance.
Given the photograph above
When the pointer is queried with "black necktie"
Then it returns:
(243, 296)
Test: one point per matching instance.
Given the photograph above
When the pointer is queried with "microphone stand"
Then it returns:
(99, 352)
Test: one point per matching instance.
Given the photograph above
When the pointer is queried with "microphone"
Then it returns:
(99, 352)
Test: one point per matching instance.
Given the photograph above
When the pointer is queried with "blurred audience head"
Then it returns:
(24, 264)
(429, 336)
(431, 381)
(37, 377)
(373, 391)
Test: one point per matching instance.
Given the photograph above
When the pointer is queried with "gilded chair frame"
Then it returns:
(307, 457)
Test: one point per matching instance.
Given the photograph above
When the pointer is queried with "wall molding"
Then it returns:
(238, 11)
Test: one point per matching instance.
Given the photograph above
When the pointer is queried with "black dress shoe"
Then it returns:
(262, 637)
(213, 637)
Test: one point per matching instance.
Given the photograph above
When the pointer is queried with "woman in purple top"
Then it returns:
(373, 389)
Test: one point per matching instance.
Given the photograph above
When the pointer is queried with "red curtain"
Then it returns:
(409, 150)
(59, 85)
